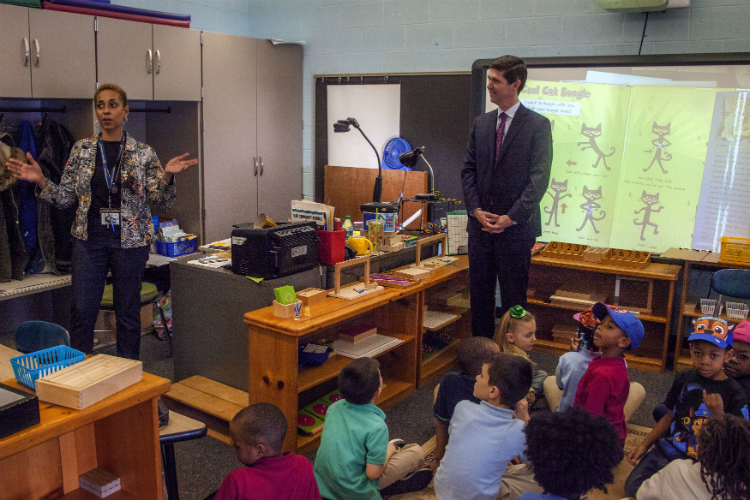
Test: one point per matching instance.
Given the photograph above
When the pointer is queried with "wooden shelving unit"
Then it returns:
(658, 281)
(688, 308)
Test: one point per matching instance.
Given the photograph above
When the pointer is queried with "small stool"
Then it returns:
(149, 295)
(179, 428)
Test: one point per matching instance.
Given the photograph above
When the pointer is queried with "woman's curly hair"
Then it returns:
(724, 454)
(572, 451)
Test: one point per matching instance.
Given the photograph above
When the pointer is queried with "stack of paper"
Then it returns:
(309, 211)
(367, 348)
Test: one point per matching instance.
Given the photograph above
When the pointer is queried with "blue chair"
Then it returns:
(732, 283)
(32, 336)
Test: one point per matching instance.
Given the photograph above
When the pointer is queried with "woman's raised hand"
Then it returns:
(179, 163)
(30, 171)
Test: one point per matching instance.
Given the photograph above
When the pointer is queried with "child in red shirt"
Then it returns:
(603, 389)
(258, 433)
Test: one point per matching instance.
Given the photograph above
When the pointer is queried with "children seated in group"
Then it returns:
(722, 472)
(258, 433)
(458, 386)
(738, 365)
(355, 459)
(696, 395)
(485, 437)
(572, 365)
(516, 334)
(604, 388)
(571, 453)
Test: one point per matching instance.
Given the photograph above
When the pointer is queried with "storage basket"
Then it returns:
(175, 249)
(737, 310)
(29, 367)
(736, 250)
(708, 307)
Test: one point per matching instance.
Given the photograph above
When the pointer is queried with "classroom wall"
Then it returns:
(391, 36)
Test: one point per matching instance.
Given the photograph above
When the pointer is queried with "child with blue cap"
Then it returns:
(697, 395)
(604, 388)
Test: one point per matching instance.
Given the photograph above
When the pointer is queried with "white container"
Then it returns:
(737, 310)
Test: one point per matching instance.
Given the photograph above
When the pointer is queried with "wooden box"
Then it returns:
(392, 248)
(99, 482)
(18, 410)
(284, 311)
(358, 333)
(561, 250)
(311, 296)
(83, 384)
(594, 254)
(392, 238)
(413, 273)
(627, 258)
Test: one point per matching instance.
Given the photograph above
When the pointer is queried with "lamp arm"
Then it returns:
(378, 189)
(373, 148)
(432, 174)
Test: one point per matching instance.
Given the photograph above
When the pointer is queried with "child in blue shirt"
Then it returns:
(355, 460)
(459, 386)
(565, 465)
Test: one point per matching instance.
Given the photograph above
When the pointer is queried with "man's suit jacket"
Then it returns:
(514, 183)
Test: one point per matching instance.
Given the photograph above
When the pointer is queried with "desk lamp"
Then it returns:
(410, 159)
(343, 126)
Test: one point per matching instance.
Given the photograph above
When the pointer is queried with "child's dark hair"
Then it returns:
(473, 353)
(724, 454)
(261, 423)
(512, 375)
(572, 451)
(360, 380)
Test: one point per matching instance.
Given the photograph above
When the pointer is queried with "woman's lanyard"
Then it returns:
(110, 176)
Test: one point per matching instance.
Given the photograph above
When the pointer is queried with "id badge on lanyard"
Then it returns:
(110, 216)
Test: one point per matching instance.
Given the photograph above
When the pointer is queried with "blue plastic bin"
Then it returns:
(29, 367)
(175, 249)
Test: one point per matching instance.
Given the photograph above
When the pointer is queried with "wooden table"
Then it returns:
(6, 369)
(548, 275)
(119, 434)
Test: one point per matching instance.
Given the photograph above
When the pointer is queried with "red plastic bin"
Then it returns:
(331, 246)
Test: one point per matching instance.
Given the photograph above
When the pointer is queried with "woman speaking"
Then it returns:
(113, 177)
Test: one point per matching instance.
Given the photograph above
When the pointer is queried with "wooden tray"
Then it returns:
(635, 259)
(83, 384)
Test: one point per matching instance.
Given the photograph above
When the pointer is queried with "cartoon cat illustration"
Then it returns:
(591, 195)
(592, 134)
(650, 200)
(660, 143)
(557, 188)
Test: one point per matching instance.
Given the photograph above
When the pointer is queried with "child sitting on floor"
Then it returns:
(723, 470)
(572, 365)
(738, 365)
(484, 437)
(604, 388)
(258, 433)
(516, 334)
(458, 386)
(571, 452)
(355, 459)
(696, 395)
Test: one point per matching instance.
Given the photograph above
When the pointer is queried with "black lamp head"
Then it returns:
(343, 125)
(410, 158)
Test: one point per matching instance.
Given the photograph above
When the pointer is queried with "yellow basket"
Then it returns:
(735, 250)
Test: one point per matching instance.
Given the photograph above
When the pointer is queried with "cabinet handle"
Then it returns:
(255, 161)
(38, 54)
(158, 62)
(28, 52)
(261, 165)
(150, 61)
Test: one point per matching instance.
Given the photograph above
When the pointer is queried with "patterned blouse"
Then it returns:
(142, 178)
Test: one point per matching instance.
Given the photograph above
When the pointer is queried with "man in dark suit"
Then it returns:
(506, 172)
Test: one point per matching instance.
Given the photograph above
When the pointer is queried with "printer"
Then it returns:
(273, 252)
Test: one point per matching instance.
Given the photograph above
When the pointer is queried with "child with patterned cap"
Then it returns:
(738, 365)
(696, 395)
(604, 388)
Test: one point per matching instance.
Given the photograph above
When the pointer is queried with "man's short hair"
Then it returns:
(512, 374)
(473, 353)
(261, 423)
(360, 380)
(513, 68)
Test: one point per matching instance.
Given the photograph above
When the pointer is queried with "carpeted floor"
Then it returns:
(202, 464)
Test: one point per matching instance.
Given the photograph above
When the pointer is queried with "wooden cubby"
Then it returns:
(119, 434)
(547, 275)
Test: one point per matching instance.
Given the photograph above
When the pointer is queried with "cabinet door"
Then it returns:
(229, 93)
(63, 55)
(15, 58)
(124, 56)
(279, 128)
(177, 64)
